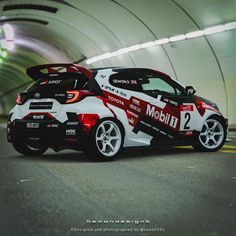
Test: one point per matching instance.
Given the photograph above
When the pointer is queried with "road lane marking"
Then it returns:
(184, 147)
(227, 151)
(229, 146)
(225, 148)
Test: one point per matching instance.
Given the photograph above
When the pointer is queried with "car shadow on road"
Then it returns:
(56, 157)
(127, 154)
(161, 152)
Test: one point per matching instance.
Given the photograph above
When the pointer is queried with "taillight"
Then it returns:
(18, 99)
(72, 96)
(88, 121)
(75, 95)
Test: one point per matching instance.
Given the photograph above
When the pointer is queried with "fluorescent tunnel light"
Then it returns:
(194, 34)
(147, 44)
(213, 30)
(8, 31)
(8, 45)
(161, 41)
(230, 26)
(176, 38)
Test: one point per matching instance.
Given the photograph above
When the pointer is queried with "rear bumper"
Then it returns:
(48, 132)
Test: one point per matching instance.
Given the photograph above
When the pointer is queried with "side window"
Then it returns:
(145, 82)
(155, 85)
(158, 84)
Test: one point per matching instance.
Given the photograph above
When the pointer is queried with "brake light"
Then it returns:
(18, 99)
(72, 96)
(88, 121)
(75, 95)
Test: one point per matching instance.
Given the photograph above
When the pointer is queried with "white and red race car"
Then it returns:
(101, 111)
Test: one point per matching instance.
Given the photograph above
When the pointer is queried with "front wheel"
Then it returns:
(213, 135)
(106, 141)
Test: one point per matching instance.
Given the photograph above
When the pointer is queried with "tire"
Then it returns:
(212, 136)
(106, 141)
(29, 149)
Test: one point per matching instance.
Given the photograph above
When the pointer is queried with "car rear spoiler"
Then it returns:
(59, 71)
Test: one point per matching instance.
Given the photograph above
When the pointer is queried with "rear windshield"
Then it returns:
(55, 84)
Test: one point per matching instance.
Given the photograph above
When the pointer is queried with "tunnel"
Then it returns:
(173, 191)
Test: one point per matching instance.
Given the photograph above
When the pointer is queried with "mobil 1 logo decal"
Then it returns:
(158, 123)
(162, 116)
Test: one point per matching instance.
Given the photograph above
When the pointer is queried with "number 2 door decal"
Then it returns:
(187, 116)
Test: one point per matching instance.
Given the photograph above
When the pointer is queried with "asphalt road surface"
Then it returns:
(144, 192)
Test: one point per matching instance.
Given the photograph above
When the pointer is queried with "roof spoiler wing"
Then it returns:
(59, 70)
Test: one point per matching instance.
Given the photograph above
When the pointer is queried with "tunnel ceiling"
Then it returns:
(74, 30)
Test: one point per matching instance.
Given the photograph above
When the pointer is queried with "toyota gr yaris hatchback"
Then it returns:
(102, 111)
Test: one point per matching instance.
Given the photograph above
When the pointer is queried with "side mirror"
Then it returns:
(189, 90)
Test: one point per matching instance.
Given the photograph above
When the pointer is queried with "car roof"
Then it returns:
(130, 69)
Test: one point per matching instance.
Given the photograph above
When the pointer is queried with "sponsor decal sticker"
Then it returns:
(116, 100)
(32, 125)
(60, 95)
(40, 105)
(172, 102)
(38, 117)
(188, 133)
(207, 106)
(136, 101)
(72, 123)
(132, 113)
(186, 107)
(54, 81)
(44, 82)
(121, 81)
(131, 120)
(133, 107)
(70, 132)
(165, 118)
(156, 129)
(52, 126)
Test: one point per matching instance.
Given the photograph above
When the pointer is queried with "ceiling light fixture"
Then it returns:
(8, 31)
(161, 41)
(213, 30)
(177, 38)
(194, 34)
(147, 44)
(6, 41)
(190, 35)
(230, 26)
(3, 54)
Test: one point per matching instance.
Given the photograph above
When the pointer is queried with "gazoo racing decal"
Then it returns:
(46, 82)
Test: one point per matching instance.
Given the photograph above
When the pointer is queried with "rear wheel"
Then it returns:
(29, 149)
(106, 141)
(213, 135)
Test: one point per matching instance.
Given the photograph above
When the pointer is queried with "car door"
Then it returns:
(169, 110)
